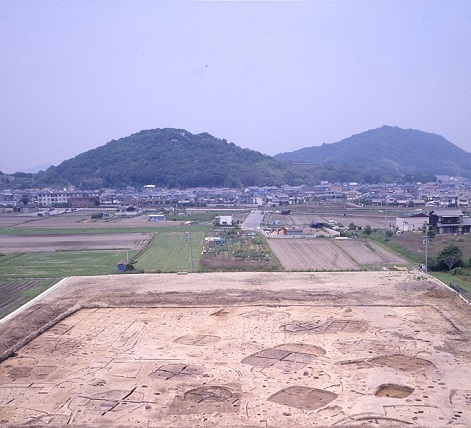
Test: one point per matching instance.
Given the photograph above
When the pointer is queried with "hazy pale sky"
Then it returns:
(269, 76)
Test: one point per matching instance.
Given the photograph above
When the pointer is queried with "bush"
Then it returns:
(460, 271)
(433, 264)
(450, 256)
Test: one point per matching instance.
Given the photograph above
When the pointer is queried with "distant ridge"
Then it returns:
(175, 158)
(172, 158)
(389, 150)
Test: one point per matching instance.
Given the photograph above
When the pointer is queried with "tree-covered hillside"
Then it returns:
(171, 158)
(390, 152)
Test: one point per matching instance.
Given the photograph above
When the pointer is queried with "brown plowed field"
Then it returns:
(82, 219)
(45, 243)
(306, 219)
(375, 221)
(310, 254)
(365, 252)
(10, 219)
(329, 254)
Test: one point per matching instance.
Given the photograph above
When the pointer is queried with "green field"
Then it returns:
(60, 264)
(169, 251)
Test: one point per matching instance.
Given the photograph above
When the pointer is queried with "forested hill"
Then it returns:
(171, 158)
(389, 151)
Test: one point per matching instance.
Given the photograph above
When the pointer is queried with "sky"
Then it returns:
(271, 76)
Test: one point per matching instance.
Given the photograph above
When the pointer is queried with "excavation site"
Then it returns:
(239, 350)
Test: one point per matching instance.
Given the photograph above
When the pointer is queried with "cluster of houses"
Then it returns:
(447, 199)
(446, 192)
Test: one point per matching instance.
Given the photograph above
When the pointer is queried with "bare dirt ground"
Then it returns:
(82, 219)
(375, 221)
(379, 222)
(239, 349)
(310, 254)
(367, 252)
(10, 219)
(45, 243)
(329, 254)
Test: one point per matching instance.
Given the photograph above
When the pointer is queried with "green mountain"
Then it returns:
(388, 152)
(171, 158)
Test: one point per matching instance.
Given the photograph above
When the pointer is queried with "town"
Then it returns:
(445, 192)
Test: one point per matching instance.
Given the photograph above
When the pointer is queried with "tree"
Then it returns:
(450, 256)
(367, 230)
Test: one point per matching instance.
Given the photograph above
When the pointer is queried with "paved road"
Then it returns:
(253, 220)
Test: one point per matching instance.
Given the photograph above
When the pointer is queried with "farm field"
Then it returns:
(244, 251)
(367, 252)
(169, 251)
(25, 275)
(10, 219)
(17, 292)
(300, 219)
(311, 254)
(60, 264)
(376, 222)
(45, 243)
(329, 254)
(82, 219)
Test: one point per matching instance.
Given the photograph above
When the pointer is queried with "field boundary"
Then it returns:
(33, 301)
(457, 291)
(348, 254)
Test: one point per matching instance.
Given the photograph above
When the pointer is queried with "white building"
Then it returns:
(412, 223)
(226, 220)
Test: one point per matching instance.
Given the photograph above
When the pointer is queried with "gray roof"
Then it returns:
(448, 212)
(414, 215)
(465, 221)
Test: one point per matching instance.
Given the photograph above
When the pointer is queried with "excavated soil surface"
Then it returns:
(239, 350)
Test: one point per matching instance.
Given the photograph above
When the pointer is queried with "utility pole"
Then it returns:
(191, 246)
(426, 245)
(386, 215)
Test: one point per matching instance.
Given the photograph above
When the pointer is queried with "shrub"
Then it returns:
(450, 256)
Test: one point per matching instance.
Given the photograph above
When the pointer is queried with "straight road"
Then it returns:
(253, 220)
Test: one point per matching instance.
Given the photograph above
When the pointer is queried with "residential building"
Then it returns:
(412, 222)
(450, 220)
